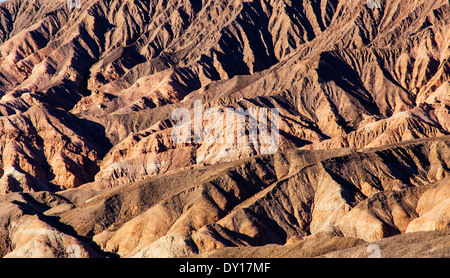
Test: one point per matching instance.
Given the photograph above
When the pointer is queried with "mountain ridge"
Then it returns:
(87, 95)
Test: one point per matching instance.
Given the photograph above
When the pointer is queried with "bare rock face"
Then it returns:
(33, 238)
(43, 149)
(433, 209)
(89, 166)
(28, 230)
(355, 90)
(369, 194)
(400, 246)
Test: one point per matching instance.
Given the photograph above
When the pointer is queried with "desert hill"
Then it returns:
(86, 153)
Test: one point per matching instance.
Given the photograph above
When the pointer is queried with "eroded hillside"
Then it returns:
(86, 97)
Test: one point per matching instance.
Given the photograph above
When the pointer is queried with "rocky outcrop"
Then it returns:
(46, 149)
(126, 66)
(277, 199)
(433, 210)
(33, 238)
(28, 230)
(400, 246)
(88, 164)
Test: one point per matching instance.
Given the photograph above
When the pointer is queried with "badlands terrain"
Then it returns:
(89, 167)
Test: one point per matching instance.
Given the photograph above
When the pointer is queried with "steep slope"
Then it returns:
(326, 65)
(282, 198)
(400, 246)
(87, 156)
(332, 96)
(108, 49)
